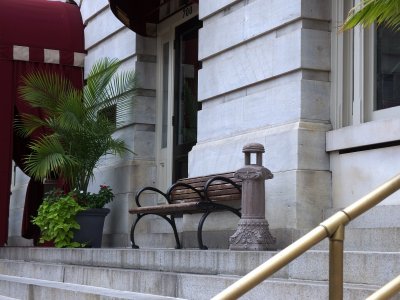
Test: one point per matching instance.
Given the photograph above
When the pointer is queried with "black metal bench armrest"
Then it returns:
(221, 178)
(175, 185)
(150, 188)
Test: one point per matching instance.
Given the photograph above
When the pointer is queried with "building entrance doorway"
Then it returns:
(177, 94)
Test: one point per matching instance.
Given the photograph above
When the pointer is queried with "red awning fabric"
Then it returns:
(34, 35)
(139, 15)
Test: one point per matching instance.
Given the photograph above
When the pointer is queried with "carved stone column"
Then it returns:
(253, 229)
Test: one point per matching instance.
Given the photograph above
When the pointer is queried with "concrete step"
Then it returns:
(185, 273)
(205, 287)
(31, 289)
(364, 239)
(191, 286)
(121, 264)
(381, 216)
(7, 298)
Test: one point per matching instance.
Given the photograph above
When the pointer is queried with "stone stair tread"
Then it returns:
(117, 294)
(73, 263)
(193, 274)
(275, 288)
(291, 281)
(8, 298)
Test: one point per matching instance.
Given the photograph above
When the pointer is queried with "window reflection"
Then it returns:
(388, 68)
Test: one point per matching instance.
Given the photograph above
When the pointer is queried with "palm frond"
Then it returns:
(127, 82)
(27, 124)
(76, 135)
(120, 92)
(367, 12)
(95, 90)
(47, 158)
(44, 89)
(71, 112)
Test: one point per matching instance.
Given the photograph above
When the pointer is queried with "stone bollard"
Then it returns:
(253, 229)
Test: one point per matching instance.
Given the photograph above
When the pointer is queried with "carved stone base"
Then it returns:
(252, 234)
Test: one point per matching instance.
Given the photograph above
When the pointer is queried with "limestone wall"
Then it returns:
(106, 36)
(265, 79)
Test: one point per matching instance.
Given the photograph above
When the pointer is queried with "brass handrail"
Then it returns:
(388, 290)
(333, 228)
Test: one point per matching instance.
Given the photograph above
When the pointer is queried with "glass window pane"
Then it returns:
(188, 105)
(165, 73)
(388, 68)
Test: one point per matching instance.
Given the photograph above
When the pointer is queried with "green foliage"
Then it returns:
(94, 200)
(75, 134)
(381, 12)
(56, 219)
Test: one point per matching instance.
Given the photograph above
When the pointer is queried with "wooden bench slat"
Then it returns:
(211, 194)
(164, 208)
(203, 179)
(216, 186)
(181, 207)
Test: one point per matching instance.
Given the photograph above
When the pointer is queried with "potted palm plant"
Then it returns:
(76, 130)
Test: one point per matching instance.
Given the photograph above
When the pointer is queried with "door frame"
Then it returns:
(166, 34)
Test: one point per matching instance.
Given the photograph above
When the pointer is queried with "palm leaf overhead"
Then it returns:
(367, 12)
(74, 134)
(103, 89)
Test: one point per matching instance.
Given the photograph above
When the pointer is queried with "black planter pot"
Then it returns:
(92, 223)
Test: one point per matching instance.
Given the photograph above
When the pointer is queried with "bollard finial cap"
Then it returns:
(253, 148)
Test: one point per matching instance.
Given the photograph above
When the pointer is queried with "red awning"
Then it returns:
(141, 16)
(34, 35)
(41, 24)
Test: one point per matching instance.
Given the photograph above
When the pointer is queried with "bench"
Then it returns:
(205, 194)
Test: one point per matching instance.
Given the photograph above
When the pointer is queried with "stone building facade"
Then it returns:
(272, 72)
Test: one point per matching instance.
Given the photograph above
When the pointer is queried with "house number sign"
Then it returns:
(187, 11)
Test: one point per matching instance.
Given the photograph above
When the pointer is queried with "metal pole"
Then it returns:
(387, 291)
(336, 264)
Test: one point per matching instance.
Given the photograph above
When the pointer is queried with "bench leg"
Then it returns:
(200, 231)
(134, 246)
(170, 221)
(173, 225)
(203, 218)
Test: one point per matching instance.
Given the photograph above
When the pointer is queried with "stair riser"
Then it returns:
(185, 261)
(366, 239)
(193, 287)
(162, 283)
(196, 289)
(121, 279)
(33, 289)
(360, 267)
(31, 292)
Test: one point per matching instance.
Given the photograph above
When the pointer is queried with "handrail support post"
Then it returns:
(336, 264)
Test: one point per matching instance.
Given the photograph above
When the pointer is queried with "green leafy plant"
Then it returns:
(94, 200)
(56, 216)
(69, 141)
(75, 132)
(56, 219)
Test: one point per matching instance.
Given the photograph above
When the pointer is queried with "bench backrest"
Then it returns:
(217, 191)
